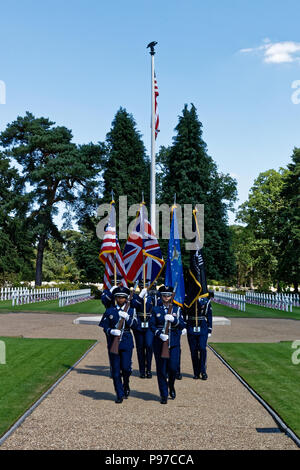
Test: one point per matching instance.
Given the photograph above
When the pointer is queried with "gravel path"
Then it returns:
(81, 414)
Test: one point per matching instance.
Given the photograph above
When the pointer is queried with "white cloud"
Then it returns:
(277, 52)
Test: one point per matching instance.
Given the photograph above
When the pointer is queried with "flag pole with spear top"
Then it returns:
(151, 45)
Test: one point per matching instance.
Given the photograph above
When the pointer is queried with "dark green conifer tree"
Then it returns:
(56, 169)
(16, 238)
(190, 173)
(127, 167)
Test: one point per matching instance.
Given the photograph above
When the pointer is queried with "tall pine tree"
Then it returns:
(190, 173)
(56, 169)
(127, 168)
(16, 237)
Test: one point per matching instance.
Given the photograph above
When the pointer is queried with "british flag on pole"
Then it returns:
(110, 252)
(141, 249)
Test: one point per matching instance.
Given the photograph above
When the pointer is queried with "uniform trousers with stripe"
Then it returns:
(165, 368)
(121, 366)
(197, 344)
(144, 349)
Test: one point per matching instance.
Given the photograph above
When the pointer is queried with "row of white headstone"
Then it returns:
(277, 301)
(24, 295)
(69, 297)
(283, 302)
(236, 301)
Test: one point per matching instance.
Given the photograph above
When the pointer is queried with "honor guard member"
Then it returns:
(199, 327)
(143, 334)
(121, 362)
(155, 295)
(166, 367)
(107, 296)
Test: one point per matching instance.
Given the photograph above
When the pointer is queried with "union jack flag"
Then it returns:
(110, 252)
(142, 248)
(156, 94)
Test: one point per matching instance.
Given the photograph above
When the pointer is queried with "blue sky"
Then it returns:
(78, 61)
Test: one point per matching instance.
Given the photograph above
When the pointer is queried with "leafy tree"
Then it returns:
(262, 213)
(190, 173)
(289, 224)
(58, 264)
(55, 168)
(86, 252)
(16, 241)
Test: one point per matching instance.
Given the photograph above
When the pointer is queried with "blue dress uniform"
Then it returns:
(166, 367)
(120, 363)
(107, 298)
(143, 335)
(198, 339)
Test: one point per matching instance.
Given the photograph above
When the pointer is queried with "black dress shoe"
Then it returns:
(204, 376)
(149, 375)
(164, 400)
(178, 377)
(172, 393)
(142, 376)
(126, 392)
(196, 377)
(119, 400)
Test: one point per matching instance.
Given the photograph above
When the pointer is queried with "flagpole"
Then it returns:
(144, 267)
(152, 170)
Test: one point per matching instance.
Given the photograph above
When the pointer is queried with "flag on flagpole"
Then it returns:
(142, 248)
(156, 94)
(196, 281)
(110, 252)
(174, 269)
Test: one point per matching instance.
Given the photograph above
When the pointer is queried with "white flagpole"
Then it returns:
(152, 170)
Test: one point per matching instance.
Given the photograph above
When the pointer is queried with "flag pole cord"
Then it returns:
(152, 175)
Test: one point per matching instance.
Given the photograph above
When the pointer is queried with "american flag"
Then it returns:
(156, 94)
(110, 252)
(142, 247)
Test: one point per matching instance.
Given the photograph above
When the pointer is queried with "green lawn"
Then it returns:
(254, 311)
(32, 366)
(51, 306)
(96, 307)
(269, 370)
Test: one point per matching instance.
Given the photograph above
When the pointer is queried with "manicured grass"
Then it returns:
(32, 366)
(254, 311)
(95, 307)
(51, 306)
(269, 370)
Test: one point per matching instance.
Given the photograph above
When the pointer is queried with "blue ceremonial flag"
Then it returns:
(174, 270)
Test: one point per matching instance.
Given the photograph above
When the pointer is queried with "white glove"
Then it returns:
(169, 318)
(164, 337)
(124, 315)
(115, 332)
(209, 335)
(143, 293)
(183, 332)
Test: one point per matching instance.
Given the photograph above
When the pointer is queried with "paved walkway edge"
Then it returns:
(272, 412)
(36, 404)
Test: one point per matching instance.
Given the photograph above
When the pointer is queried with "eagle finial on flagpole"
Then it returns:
(152, 45)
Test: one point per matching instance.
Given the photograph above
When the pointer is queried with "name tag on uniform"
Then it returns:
(144, 324)
(196, 329)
